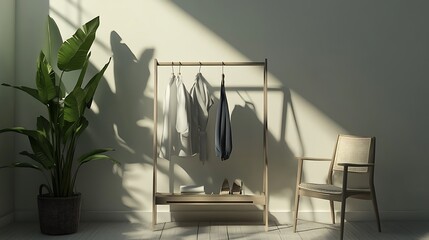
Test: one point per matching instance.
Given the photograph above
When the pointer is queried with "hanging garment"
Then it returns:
(183, 120)
(169, 113)
(223, 134)
(176, 140)
(202, 102)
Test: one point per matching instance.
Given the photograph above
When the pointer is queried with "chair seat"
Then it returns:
(322, 188)
(330, 189)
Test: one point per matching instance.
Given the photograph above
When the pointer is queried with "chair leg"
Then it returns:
(343, 213)
(332, 211)
(295, 220)
(377, 215)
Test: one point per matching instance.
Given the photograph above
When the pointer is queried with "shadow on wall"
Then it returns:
(248, 161)
(124, 121)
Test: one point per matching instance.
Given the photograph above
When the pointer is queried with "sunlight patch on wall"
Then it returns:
(308, 126)
(138, 195)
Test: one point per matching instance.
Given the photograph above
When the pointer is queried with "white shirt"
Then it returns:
(176, 132)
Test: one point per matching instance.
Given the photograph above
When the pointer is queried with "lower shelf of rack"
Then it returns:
(208, 199)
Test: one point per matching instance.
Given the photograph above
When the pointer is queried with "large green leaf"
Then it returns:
(69, 130)
(30, 91)
(83, 125)
(74, 105)
(53, 41)
(43, 150)
(45, 80)
(73, 52)
(45, 162)
(44, 126)
(74, 129)
(98, 157)
(30, 133)
(83, 72)
(94, 154)
(23, 165)
(93, 84)
(40, 145)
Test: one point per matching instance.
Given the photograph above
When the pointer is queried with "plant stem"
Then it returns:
(58, 155)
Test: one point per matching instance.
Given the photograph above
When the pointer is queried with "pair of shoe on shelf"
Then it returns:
(236, 188)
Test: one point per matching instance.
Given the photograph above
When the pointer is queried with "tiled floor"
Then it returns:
(306, 230)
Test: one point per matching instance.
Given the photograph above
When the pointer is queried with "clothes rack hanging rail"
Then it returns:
(209, 63)
(180, 199)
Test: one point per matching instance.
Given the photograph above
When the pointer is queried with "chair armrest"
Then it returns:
(356, 164)
(313, 159)
(301, 163)
(346, 171)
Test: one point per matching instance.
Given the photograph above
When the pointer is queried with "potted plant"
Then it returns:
(54, 141)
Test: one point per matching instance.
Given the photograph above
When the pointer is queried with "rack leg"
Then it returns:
(154, 216)
(266, 217)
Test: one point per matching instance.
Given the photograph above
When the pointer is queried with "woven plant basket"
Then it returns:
(59, 215)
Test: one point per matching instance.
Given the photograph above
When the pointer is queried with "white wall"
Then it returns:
(334, 67)
(30, 29)
(7, 67)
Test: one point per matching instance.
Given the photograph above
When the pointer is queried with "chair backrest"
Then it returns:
(353, 149)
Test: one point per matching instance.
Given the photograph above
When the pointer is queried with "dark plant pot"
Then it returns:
(59, 215)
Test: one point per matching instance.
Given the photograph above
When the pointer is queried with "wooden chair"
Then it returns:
(351, 174)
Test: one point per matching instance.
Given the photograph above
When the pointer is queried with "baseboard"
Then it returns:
(6, 219)
(26, 216)
(223, 216)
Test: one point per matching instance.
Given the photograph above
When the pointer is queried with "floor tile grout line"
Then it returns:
(162, 230)
(279, 231)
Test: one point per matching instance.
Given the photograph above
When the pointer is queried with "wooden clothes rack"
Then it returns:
(207, 199)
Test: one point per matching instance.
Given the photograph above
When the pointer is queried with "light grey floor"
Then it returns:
(212, 231)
